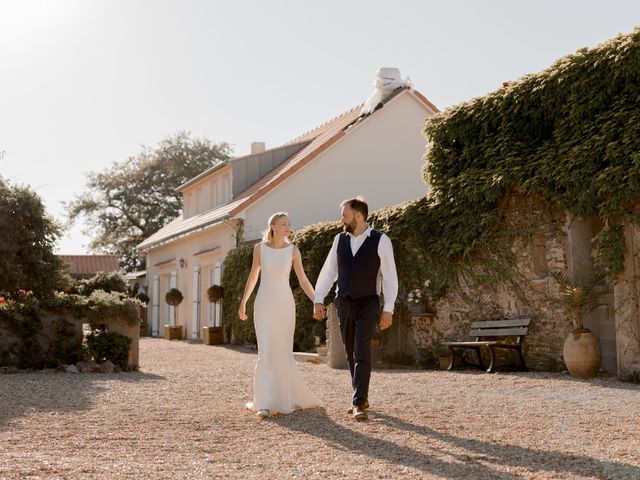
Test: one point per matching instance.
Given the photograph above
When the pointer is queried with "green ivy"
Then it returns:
(570, 133)
(610, 249)
(237, 266)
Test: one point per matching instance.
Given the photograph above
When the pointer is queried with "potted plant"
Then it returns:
(213, 335)
(215, 293)
(580, 294)
(415, 301)
(443, 354)
(174, 298)
(419, 299)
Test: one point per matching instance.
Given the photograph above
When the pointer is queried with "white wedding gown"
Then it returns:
(277, 383)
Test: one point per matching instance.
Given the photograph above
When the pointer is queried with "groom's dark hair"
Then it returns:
(359, 204)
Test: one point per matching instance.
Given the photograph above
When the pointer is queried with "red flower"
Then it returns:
(1, 300)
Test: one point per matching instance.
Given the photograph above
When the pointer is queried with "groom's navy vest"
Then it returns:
(358, 275)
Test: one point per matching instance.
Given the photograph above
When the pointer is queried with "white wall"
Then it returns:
(380, 159)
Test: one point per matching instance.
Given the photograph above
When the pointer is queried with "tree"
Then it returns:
(27, 240)
(133, 199)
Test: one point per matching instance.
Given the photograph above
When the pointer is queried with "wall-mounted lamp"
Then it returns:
(182, 262)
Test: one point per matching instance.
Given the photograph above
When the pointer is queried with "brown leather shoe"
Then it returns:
(365, 406)
(359, 413)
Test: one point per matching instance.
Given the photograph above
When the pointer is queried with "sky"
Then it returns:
(86, 83)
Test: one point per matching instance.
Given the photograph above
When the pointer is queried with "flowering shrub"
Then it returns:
(418, 295)
(415, 296)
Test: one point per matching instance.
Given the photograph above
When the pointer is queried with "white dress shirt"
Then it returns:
(388, 284)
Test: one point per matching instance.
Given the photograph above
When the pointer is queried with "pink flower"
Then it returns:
(1, 299)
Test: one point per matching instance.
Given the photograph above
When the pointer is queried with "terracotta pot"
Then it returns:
(445, 360)
(581, 354)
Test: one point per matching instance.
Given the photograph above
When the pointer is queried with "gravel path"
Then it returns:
(182, 416)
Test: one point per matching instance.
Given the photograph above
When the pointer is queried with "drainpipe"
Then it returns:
(237, 231)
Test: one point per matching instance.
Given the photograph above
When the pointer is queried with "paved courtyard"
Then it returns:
(182, 416)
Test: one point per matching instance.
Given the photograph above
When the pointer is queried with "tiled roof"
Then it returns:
(91, 263)
(320, 139)
(179, 227)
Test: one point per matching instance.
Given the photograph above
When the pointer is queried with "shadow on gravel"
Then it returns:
(604, 380)
(516, 456)
(41, 392)
(236, 348)
(476, 462)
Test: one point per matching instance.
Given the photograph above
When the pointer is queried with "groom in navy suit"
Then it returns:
(361, 260)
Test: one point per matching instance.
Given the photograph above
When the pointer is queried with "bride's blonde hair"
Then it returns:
(267, 235)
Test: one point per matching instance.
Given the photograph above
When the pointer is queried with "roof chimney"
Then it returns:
(386, 81)
(257, 147)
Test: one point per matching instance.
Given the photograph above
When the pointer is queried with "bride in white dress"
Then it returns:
(278, 387)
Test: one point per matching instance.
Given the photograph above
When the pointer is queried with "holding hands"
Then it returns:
(319, 312)
(386, 319)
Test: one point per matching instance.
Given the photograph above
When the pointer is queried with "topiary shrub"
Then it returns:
(174, 298)
(215, 293)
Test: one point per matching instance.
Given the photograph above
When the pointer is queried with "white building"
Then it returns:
(376, 153)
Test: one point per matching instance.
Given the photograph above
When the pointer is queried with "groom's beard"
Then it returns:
(350, 227)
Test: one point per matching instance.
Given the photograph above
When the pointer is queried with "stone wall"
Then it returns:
(544, 251)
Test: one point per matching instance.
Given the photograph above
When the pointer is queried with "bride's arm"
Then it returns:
(302, 277)
(251, 283)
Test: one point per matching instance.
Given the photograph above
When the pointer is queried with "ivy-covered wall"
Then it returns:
(570, 133)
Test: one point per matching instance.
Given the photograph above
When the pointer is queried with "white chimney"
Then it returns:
(257, 147)
(386, 81)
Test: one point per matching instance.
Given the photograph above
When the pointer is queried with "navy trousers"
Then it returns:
(358, 319)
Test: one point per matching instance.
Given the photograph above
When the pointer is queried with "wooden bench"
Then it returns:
(493, 334)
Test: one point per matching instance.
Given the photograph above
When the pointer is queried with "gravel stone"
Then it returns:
(182, 416)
